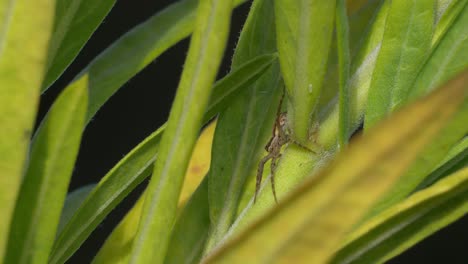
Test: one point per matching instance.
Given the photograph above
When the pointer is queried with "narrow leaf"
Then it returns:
(405, 47)
(72, 203)
(137, 48)
(204, 56)
(74, 23)
(240, 134)
(408, 222)
(309, 223)
(42, 194)
(25, 29)
(137, 164)
(304, 33)
(362, 68)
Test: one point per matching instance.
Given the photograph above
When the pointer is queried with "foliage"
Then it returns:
(397, 68)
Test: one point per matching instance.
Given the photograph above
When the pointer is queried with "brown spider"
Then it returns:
(280, 136)
(273, 147)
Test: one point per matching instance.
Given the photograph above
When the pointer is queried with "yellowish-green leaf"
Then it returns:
(304, 33)
(312, 222)
(45, 184)
(405, 46)
(405, 224)
(25, 29)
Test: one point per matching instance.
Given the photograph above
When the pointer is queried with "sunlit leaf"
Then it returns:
(25, 29)
(45, 184)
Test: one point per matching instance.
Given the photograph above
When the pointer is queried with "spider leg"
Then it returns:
(261, 166)
(274, 164)
(303, 147)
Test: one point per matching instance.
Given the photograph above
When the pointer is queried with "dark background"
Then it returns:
(143, 104)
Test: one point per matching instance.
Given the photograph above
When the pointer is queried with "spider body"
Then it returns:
(280, 137)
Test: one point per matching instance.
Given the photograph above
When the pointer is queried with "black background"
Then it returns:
(143, 104)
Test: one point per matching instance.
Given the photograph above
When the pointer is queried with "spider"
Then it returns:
(280, 136)
(273, 147)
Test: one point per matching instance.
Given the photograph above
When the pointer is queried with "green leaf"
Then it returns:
(405, 47)
(449, 63)
(446, 13)
(405, 224)
(42, 194)
(25, 28)
(137, 164)
(447, 59)
(72, 203)
(304, 33)
(309, 223)
(205, 53)
(361, 15)
(342, 39)
(362, 68)
(240, 132)
(74, 23)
